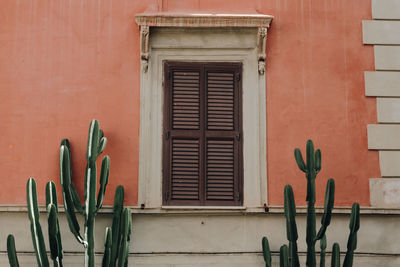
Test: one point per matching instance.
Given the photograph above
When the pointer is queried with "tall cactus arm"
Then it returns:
(93, 141)
(322, 245)
(283, 256)
(74, 194)
(310, 156)
(76, 199)
(107, 248)
(65, 180)
(291, 227)
(11, 251)
(335, 261)
(290, 213)
(53, 223)
(104, 173)
(51, 194)
(102, 144)
(266, 252)
(36, 229)
(125, 232)
(56, 251)
(299, 160)
(128, 238)
(352, 241)
(328, 207)
(65, 142)
(90, 211)
(317, 161)
(116, 236)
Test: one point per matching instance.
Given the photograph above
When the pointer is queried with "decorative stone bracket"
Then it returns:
(145, 21)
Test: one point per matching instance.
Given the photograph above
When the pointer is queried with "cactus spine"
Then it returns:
(311, 169)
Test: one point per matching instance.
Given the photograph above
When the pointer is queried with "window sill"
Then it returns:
(203, 207)
(212, 210)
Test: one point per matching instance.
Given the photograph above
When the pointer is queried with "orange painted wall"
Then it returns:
(63, 63)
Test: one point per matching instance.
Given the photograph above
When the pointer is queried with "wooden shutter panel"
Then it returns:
(202, 125)
(222, 146)
(182, 145)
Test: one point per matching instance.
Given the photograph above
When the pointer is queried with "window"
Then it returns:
(202, 151)
(238, 40)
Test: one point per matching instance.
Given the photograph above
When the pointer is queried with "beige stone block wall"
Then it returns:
(384, 33)
(388, 110)
(381, 32)
(386, 9)
(382, 83)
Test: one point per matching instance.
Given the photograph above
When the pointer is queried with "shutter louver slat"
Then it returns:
(186, 100)
(220, 170)
(220, 101)
(185, 169)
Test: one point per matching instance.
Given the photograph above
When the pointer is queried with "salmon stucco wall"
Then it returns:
(66, 62)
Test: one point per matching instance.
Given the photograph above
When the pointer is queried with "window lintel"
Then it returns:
(188, 20)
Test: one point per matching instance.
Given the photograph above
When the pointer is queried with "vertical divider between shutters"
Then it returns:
(203, 141)
(238, 122)
(236, 128)
(166, 127)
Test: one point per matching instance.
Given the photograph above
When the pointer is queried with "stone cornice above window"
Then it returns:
(145, 21)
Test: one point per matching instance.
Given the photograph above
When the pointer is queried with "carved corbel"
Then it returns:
(262, 38)
(144, 47)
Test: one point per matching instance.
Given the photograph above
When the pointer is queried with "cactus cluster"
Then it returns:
(289, 255)
(117, 237)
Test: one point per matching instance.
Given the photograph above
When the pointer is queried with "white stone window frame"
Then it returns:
(203, 38)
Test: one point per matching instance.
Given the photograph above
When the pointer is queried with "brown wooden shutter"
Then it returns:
(202, 125)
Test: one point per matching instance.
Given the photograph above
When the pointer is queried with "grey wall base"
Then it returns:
(167, 240)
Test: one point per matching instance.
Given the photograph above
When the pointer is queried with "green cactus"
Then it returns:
(328, 207)
(126, 228)
(116, 231)
(283, 256)
(311, 169)
(65, 180)
(335, 262)
(107, 248)
(117, 237)
(36, 229)
(291, 227)
(266, 252)
(95, 146)
(56, 251)
(352, 241)
(322, 245)
(11, 251)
